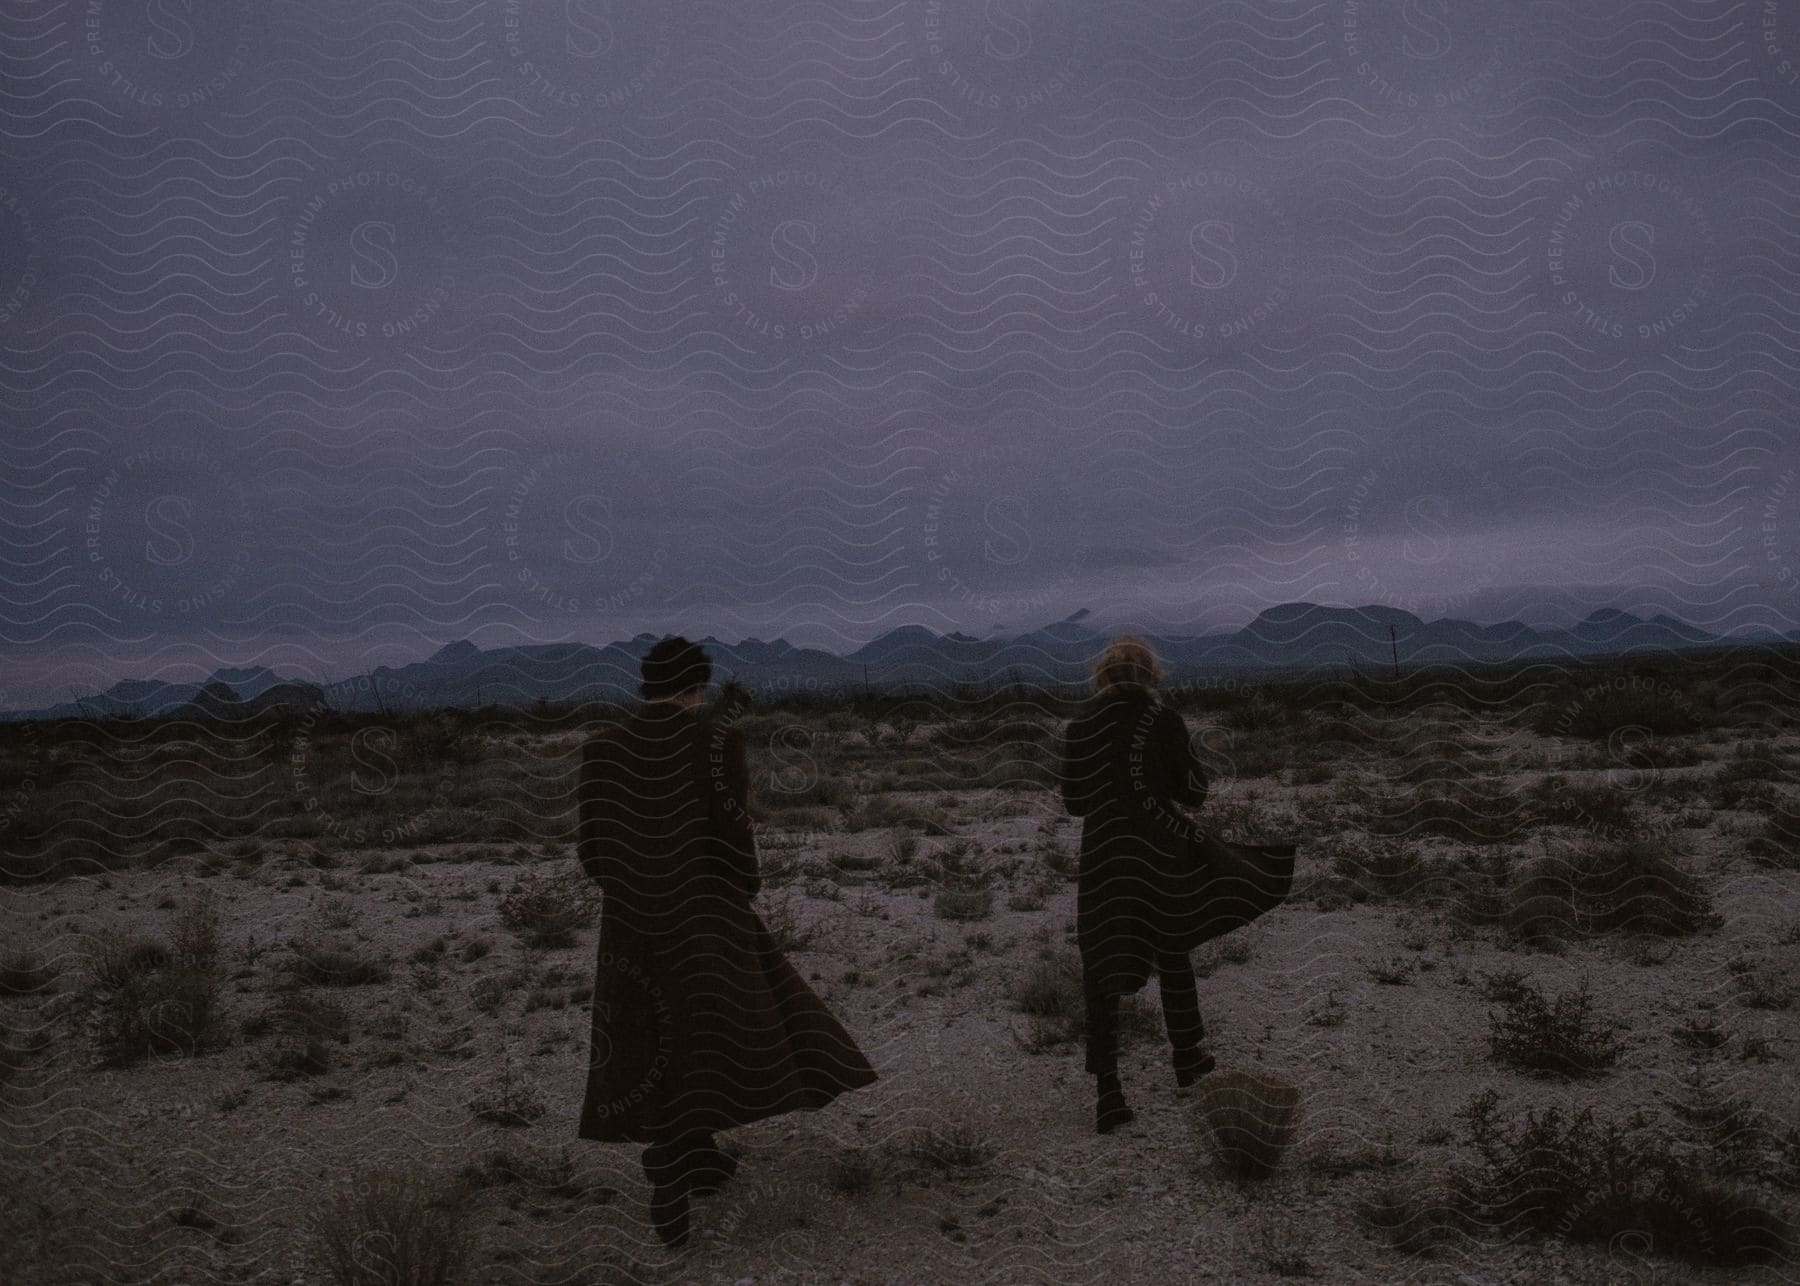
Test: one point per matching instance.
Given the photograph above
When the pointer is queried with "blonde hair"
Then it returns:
(1127, 659)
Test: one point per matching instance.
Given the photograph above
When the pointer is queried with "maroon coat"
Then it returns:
(700, 1022)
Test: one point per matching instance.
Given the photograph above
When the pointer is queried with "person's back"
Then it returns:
(656, 838)
(1126, 760)
(1128, 771)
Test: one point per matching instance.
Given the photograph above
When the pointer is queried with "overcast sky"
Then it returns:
(336, 330)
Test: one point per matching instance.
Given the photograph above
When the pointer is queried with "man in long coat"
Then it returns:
(699, 1021)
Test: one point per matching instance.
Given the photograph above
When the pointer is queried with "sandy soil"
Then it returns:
(204, 1168)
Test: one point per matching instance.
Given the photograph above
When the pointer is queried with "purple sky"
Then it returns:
(333, 331)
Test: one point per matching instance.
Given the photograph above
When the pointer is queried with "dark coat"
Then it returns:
(699, 1021)
(1128, 770)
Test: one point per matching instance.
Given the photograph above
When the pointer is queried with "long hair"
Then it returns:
(1127, 660)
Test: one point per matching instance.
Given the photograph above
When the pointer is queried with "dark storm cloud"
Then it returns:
(333, 332)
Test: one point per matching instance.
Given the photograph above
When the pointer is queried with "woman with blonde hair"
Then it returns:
(1128, 770)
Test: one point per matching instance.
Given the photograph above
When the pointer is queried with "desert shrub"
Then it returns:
(316, 963)
(1606, 886)
(1538, 903)
(171, 1010)
(194, 931)
(1765, 981)
(1637, 886)
(1747, 779)
(950, 1148)
(1050, 994)
(1561, 1037)
(1474, 810)
(1598, 807)
(547, 911)
(1254, 712)
(1410, 1221)
(1051, 989)
(511, 1101)
(1367, 867)
(302, 1028)
(117, 956)
(1479, 883)
(1583, 1179)
(1059, 861)
(1597, 712)
(14, 1053)
(502, 1167)
(1777, 839)
(963, 904)
(791, 930)
(393, 1228)
(24, 973)
(1248, 1119)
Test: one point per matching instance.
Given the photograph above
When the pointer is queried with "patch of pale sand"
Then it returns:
(1055, 1203)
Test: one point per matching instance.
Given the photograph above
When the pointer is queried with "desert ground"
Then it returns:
(275, 997)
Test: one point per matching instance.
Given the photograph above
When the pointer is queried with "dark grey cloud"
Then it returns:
(335, 331)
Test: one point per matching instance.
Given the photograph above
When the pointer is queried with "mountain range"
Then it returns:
(1294, 637)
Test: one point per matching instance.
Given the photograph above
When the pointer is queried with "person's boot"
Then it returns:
(1110, 1108)
(1191, 1065)
(670, 1171)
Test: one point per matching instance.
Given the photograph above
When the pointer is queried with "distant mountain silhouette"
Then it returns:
(1289, 637)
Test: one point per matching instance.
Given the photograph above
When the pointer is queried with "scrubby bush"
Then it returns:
(1248, 1119)
(1473, 810)
(791, 930)
(194, 932)
(1605, 886)
(317, 963)
(1051, 995)
(302, 1028)
(1561, 1037)
(963, 904)
(1626, 702)
(1777, 839)
(172, 1010)
(1585, 1180)
(394, 1228)
(950, 1148)
(1636, 886)
(1374, 867)
(1600, 807)
(1538, 903)
(146, 1000)
(1749, 777)
(547, 911)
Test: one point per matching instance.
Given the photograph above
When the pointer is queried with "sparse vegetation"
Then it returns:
(923, 875)
(548, 911)
(950, 1149)
(1582, 1178)
(1560, 1037)
(393, 1228)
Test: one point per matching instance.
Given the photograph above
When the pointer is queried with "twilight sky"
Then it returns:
(335, 330)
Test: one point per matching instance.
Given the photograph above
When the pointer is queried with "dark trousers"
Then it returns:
(1181, 1016)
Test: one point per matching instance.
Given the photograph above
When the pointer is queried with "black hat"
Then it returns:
(673, 666)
